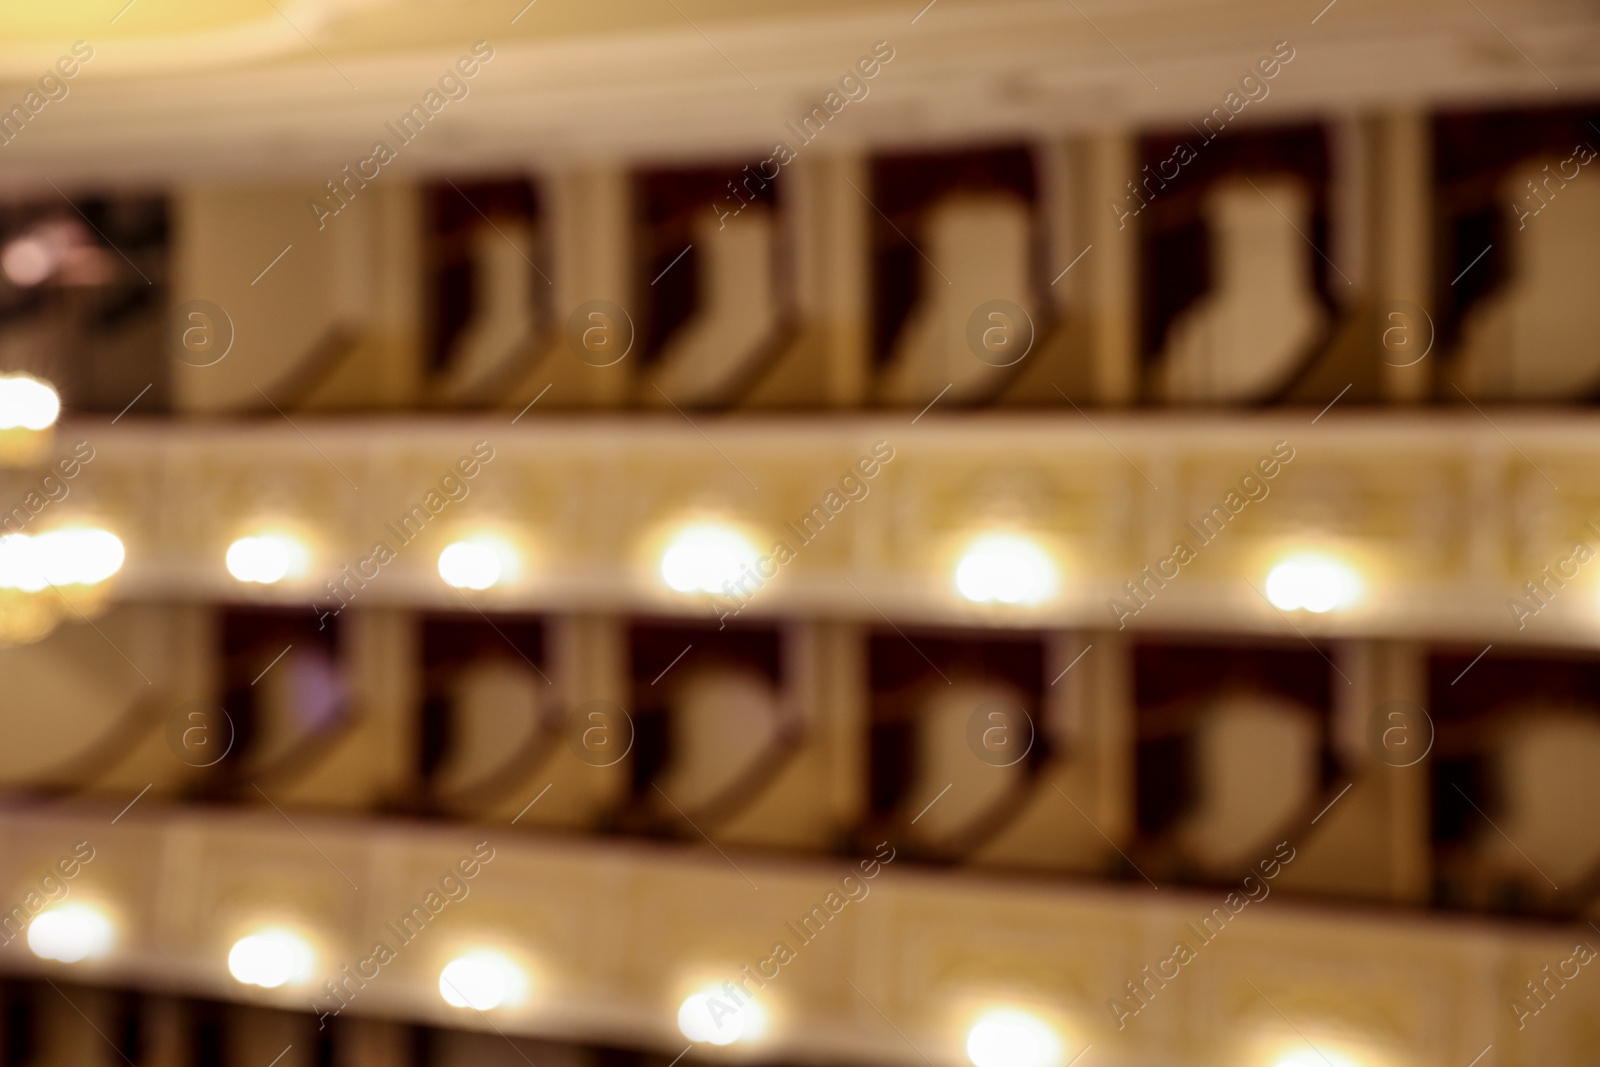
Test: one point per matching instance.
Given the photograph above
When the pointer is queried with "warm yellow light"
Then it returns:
(1312, 583)
(721, 1015)
(1007, 1037)
(26, 403)
(270, 958)
(706, 557)
(70, 933)
(1315, 1057)
(19, 564)
(477, 563)
(266, 559)
(71, 556)
(482, 979)
(80, 555)
(1007, 568)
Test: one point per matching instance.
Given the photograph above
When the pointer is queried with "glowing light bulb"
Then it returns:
(263, 560)
(79, 555)
(19, 564)
(71, 556)
(70, 933)
(720, 1017)
(1006, 568)
(477, 563)
(27, 403)
(481, 979)
(1312, 583)
(705, 557)
(271, 958)
(1006, 1037)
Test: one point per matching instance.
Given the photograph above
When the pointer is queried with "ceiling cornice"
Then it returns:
(675, 91)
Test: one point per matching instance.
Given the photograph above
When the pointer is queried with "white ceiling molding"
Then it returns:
(1027, 69)
(227, 34)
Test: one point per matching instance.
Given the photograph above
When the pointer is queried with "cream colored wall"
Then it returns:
(613, 928)
(1373, 841)
(790, 293)
(589, 503)
(504, 327)
(1257, 767)
(1535, 340)
(1550, 800)
(612, 935)
(737, 317)
(1082, 807)
(978, 249)
(344, 296)
(105, 690)
(1246, 337)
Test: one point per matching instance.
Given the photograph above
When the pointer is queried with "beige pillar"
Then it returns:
(165, 1021)
(1351, 229)
(175, 644)
(378, 759)
(75, 1027)
(373, 1043)
(1111, 278)
(826, 227)
(1084, 795)
(1063, 210)
(588, 770)
(1401, 240)
(821, 789)
(1103, 697)
(397, 297)
(1063, 359)
(838, 694)
(1403, 674)
(260, 1035)
(590, 219)
(1373, 840)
